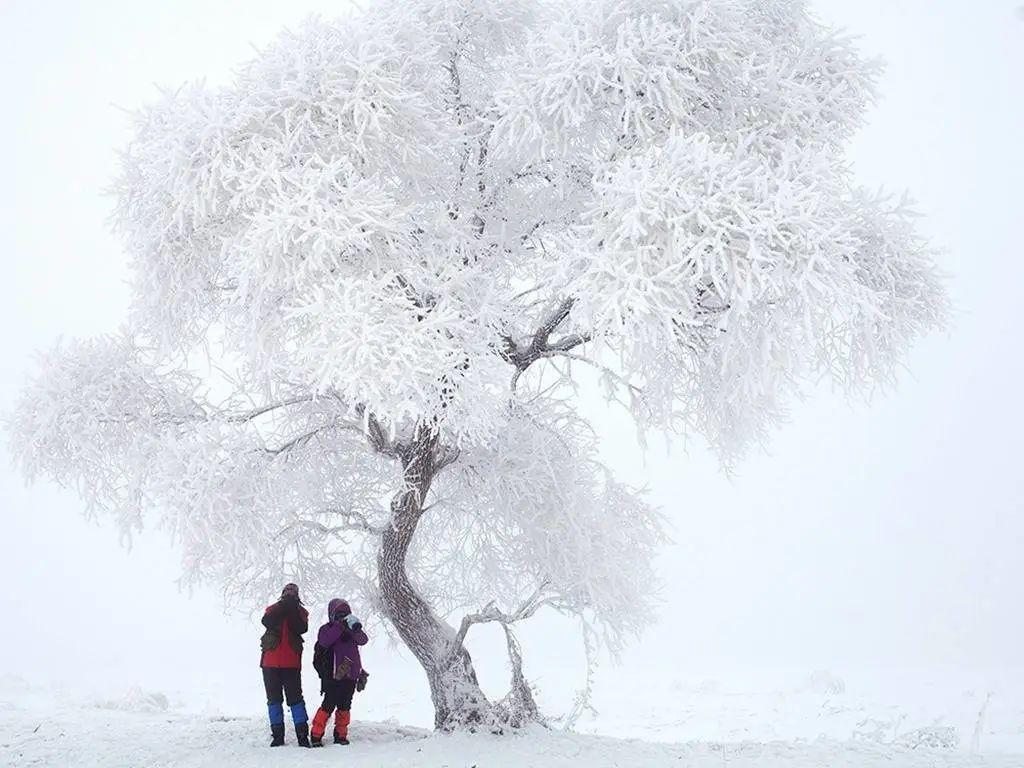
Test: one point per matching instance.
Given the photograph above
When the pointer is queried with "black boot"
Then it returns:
(315, 742)
(277, 731)
(302, 734)
(340, 739)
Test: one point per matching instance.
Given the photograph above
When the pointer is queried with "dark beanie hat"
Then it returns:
(289, 587)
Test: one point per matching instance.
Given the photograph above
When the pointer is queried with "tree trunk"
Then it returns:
(454, 689)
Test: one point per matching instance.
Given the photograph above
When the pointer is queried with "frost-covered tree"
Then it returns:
(371, 271)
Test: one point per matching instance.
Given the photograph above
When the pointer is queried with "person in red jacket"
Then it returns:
(286, 622)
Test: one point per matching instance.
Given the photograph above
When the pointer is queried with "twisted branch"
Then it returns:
(541, 346)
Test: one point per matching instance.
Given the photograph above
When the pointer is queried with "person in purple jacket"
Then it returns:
(342, 635)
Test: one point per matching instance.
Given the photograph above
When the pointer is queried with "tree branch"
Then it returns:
(540, 345)
(569, 342)
(378, 438)
(307, 436)
(361, 524)
(257, 412)
(603, 368)
(491, 612)
(446, 455)
(519, 705)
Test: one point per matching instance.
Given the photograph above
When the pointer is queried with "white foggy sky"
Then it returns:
(885, 534)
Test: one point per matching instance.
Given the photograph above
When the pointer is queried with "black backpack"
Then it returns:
(323, 661)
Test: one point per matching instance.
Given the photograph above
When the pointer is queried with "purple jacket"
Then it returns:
(345, 643)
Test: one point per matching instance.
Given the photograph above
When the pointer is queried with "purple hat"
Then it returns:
(337, 605)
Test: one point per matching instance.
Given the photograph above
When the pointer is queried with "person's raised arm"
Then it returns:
(298, 619)
(355, 630)
(273, 615)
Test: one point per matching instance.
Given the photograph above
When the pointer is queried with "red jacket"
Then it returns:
(286, 622)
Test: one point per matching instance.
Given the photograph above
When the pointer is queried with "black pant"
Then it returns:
(338, 695)
(283, 684)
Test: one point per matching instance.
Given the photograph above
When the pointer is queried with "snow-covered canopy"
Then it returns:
(414, 215)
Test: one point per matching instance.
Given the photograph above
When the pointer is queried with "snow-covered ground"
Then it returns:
(98, 737)
(983, 712)
(821, 722)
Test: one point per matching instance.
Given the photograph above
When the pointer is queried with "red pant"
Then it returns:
(337, 695)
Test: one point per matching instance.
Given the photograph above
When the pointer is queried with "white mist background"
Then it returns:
(882, 542)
